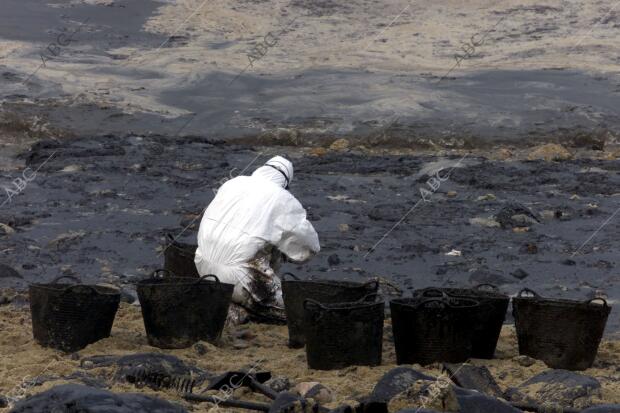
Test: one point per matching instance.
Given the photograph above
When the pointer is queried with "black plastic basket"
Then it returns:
(491, 315)
(179, 258)
(179, 311)
(344, 334)
(433, 329)
(69, 317)
(565, 334)
(295, 291)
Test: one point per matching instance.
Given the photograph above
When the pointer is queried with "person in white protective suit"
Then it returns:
(247, 227)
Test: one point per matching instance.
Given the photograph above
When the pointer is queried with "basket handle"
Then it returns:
(591, 300)
(296, 278)
(71, 277)
(527, 290)
(165, 273)
(372, 285)
(442, 294)
(204, 278)
(491, 286)
(365, 298)
(71, 288)
(309, 303)
(441, 300)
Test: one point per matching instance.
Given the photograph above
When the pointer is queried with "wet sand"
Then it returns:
(22, 359)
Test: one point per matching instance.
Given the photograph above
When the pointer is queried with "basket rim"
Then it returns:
(60, 287)
(352, 305)
(410, 302)
(561, 302)
(451, 291)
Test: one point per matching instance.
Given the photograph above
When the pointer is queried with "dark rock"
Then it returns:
(473, 402)
(85, 399)
(483, 276)
(396, 381)
(471, 377)
(515, 215)
(595, 141)
(605, 408)
(520, 274)
(8, 272)
(569, 262)
(4, 402)
(333, 260)
(561, 387)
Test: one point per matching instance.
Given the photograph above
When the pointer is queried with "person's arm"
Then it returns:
(300, 243)
(296, 237)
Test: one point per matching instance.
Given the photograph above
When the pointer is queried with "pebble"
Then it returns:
(520, 229)
(240, 344)
(525, 361)
(484, 222)
(343, 227)
(71, 168)
(451, 194)
(314, 390)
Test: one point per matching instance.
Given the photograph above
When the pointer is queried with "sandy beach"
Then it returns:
(22, 359)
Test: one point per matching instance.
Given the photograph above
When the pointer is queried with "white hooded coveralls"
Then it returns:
(250, 219)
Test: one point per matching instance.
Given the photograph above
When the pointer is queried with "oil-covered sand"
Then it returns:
(21, 359)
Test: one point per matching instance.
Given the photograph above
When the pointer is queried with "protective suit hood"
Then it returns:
(278, 170)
